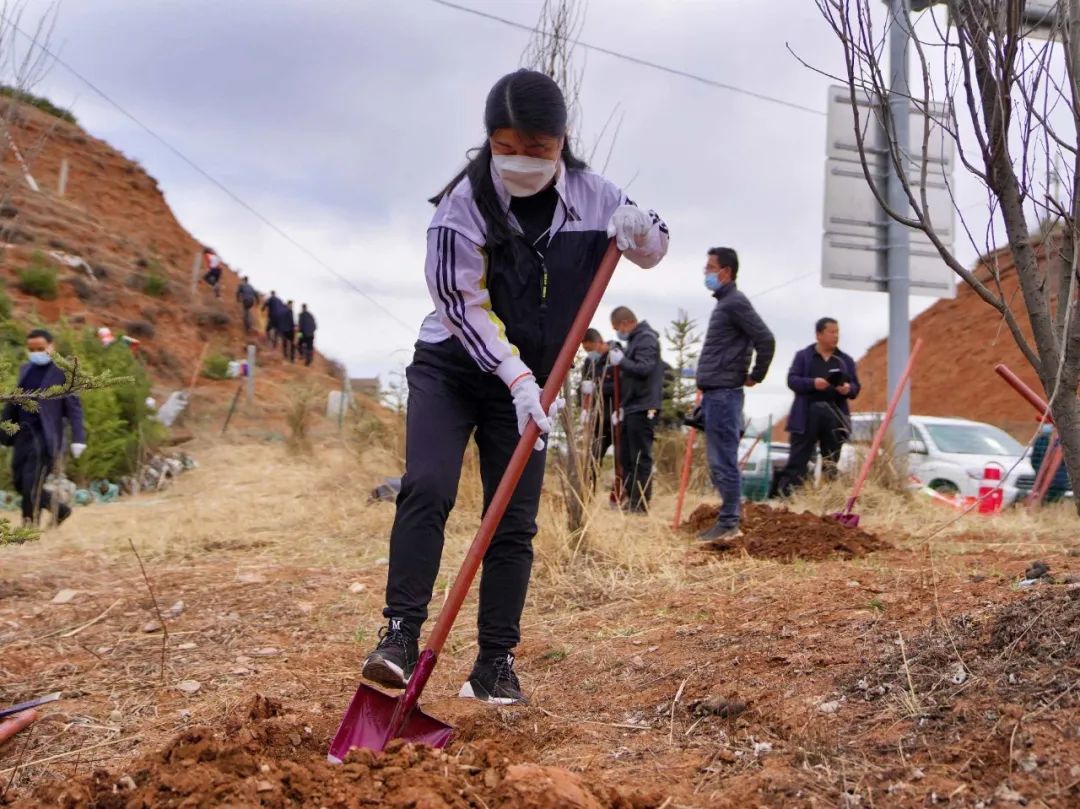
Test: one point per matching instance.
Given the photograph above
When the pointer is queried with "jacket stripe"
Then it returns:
(454, 301)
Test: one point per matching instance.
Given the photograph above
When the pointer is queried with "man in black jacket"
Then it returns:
(248, 297)
(597, 400)
(307, 334)
(641, 377)
(285, 325)
(272, 307)
(735, 334)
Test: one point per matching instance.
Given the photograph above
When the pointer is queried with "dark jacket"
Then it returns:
(307, 324)
(246, 294)
(52, 412)
(641, 372)
(273, 307)
(285, 321)
(1039, 450)
(735, 333)
(801, 380)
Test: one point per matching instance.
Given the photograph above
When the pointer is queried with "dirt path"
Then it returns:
(895, 679)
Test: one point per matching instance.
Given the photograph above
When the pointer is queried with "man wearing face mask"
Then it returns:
(735, 335)
(597, 399)
(40, 438)
(642, 392)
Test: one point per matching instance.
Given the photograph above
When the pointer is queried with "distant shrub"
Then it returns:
(155, 285)
(139, 329)
(216, 318)
(39, 279)
(5, 305)
(83, 287)
(41, 103)
(216, 366)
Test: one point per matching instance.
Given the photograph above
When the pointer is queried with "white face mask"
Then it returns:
(524, 176)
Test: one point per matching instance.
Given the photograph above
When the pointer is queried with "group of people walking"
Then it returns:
(295, 331)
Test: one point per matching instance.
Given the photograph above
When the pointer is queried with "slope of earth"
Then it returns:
(964, 338)
(115, 217)
(913, 676)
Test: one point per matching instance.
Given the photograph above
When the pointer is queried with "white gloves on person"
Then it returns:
(615, 356)
(629, 226)
(584, 418)
(587, 387)
(77, 450)
(616, 417)
(526, 395)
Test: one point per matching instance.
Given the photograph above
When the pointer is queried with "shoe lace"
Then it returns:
(393, 635)
(504, 671)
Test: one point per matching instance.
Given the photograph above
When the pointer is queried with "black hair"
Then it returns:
(40, 333)
(726, 257)
(820, 326)
(621, 314)
(592, 336)
(532, 103)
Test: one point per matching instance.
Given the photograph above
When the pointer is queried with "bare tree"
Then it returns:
(1010, 101)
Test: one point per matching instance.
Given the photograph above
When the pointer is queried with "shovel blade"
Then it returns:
(367, 724)
(846, 519)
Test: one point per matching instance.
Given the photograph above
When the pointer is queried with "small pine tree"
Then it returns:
(684, 340)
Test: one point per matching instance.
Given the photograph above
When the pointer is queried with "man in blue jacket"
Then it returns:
(736, 336)
(824, 380)
(39, 441)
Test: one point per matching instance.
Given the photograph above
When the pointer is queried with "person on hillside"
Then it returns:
(597, 393)
(285, 326)
(212, 262)
(824, 380)
(39, 441)
(641, 388)
(306, 324)
(272, 307)
(515, 240)
(248, 297)
(736, 335)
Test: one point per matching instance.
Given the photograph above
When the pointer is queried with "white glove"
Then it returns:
(584, 418)
(526, 395)
(77, 450)
(629, 226)
(616, 417)
(615, 357)
(587, 387)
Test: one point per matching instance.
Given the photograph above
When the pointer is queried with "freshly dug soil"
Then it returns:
(273, 760)
(776, 533)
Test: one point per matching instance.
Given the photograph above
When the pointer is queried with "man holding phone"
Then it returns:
(824, 379)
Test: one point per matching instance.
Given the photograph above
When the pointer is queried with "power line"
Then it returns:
(234, 196)
(636, 60)
(787, 283)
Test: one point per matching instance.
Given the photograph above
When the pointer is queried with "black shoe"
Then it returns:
(720, 533)
(62, 513)
(493, 680)
(392, 662)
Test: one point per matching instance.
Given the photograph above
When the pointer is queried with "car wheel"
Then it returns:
(946, 487)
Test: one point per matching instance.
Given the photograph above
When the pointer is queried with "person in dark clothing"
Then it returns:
(641, 377)
(511, 251)
(272, 307)
(824, 380)
(735, 335)
(40, 438)
(286, 329)
(597, 400)
(1039, 450)
(213, 270)
(248, 297)
(306, 324)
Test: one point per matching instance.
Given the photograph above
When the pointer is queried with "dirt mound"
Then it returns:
(776, 533)
(269, 758)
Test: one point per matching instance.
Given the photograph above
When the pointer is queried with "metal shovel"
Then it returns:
(846, 517)
(374, 718)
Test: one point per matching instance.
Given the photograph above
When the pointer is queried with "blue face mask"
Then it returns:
(623, 335)
(593, 355)
(713, 283)
(40, 357)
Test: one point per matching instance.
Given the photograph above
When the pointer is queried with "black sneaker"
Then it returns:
(493, 680)
(720, 533)
(392, 662)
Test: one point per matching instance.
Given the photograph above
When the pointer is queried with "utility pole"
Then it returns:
(897, 255)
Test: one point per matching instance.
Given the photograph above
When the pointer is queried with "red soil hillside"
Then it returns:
(114, 215)
(964, 339)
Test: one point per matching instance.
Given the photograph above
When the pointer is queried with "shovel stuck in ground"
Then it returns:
(374, 718)
(846, 517)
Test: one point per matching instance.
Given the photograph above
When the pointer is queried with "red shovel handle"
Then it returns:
(879, 436)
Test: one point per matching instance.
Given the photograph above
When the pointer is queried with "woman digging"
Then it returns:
(511, 250)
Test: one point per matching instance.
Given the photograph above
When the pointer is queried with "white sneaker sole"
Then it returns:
(384, 673)
(467, 692)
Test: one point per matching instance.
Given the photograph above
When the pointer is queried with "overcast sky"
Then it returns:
(338, 119)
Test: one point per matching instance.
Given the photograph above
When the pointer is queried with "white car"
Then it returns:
(951, 455)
